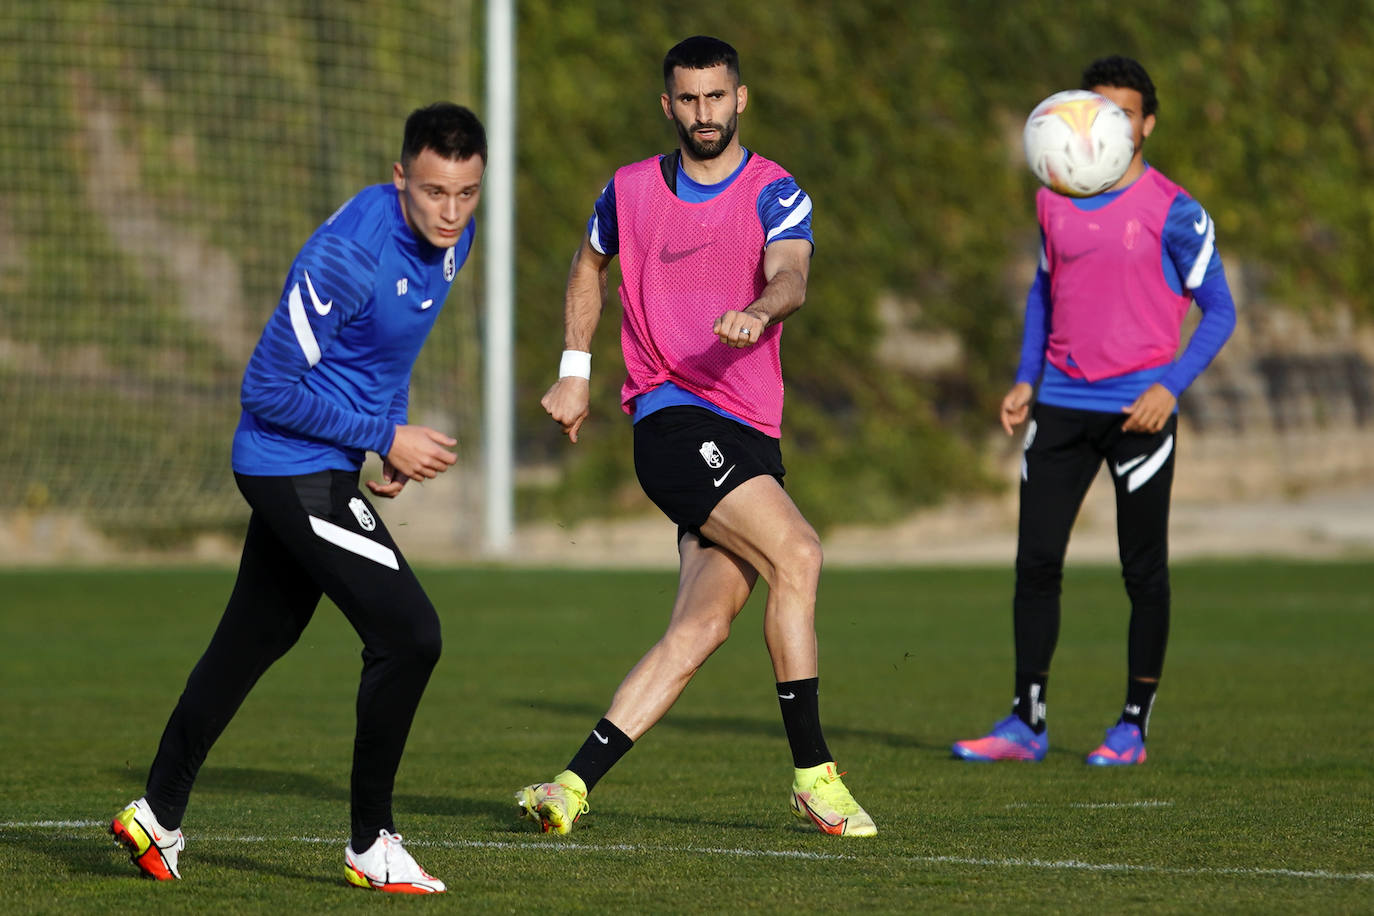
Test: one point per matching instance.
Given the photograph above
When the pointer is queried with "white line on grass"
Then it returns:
(1135, 804)
(637, 848)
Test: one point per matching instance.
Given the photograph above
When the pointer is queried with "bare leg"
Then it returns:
(712, 589)
(759, 523)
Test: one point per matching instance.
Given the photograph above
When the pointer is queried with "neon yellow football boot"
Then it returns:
(554, 806)
(819, 793)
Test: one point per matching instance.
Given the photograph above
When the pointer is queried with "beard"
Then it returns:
(699, 150)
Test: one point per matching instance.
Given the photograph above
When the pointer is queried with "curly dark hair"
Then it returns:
(1123, 73)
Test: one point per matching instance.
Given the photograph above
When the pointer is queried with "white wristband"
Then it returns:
(575, 362)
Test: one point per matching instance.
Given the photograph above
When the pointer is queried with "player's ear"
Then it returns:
(1147, 126)
(398, 176)
(667, 104)
(741, 98)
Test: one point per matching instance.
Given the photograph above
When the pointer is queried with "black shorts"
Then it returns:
(688, 458)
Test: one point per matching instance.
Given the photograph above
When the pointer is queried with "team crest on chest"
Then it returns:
(363, 514)
(450, 265)
(711, 453)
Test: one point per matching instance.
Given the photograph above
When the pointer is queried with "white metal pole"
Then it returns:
(499, 230)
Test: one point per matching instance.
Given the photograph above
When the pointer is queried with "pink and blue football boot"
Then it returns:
(1123, 746)
(1010, 739)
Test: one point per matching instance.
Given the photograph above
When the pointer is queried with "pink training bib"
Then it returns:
(683, 266)
(1112, 309)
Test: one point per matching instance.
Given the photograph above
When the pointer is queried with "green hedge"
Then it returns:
(245, 127)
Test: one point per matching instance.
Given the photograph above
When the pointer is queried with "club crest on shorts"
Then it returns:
(711, 453)
(362, 513)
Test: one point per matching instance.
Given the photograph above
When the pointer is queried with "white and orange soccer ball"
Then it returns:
(1078, 143)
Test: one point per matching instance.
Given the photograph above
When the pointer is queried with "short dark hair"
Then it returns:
(1123, 73)
(700, 52)
(450, 130)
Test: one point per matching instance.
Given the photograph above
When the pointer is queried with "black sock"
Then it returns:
(602, 749)
(364, 837)
(1029, 704)
(1140, 700)
(801, 717)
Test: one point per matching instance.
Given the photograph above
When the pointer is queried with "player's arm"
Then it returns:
(784, 211)
(1034, 336)
(1202, 274)
(329, 283)
(393, 478)
(1190, 241)
(568, 401)
(786, 265)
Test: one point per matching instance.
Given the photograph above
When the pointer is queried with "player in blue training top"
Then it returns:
(328, 382)
(1118, 272)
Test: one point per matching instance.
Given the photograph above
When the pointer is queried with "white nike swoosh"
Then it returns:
(321, 308)
(1141, 475)
(789, 201)
(721, 479)
(794, 216)
(426, 304)
(599, 738)
(1200, 224)
(788, 696)
(1125, 466)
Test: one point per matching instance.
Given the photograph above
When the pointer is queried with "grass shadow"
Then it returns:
(498, 814)
(97, 855)
(228, 780)
(730, 725)
(274, 867)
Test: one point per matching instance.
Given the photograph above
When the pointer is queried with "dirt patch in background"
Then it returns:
(1325, 524)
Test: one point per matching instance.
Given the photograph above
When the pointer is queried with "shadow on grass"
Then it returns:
(221, 781)
(229, 780)
(97, 855)
(622, 820)
(730, 725)
(274, 867)
(499, 813)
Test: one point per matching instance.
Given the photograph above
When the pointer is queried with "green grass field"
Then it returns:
(1257, 795)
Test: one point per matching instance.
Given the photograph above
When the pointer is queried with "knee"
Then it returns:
(800, 563)
(704, 635)
(1039, 575)
(417, 647)
(710, 636)
(428, 648)
(1148, 590)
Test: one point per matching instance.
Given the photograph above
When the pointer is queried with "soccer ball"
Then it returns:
(1078, 142)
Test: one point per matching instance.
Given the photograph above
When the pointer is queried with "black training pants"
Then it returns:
(310, 535)
(1063, 452)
